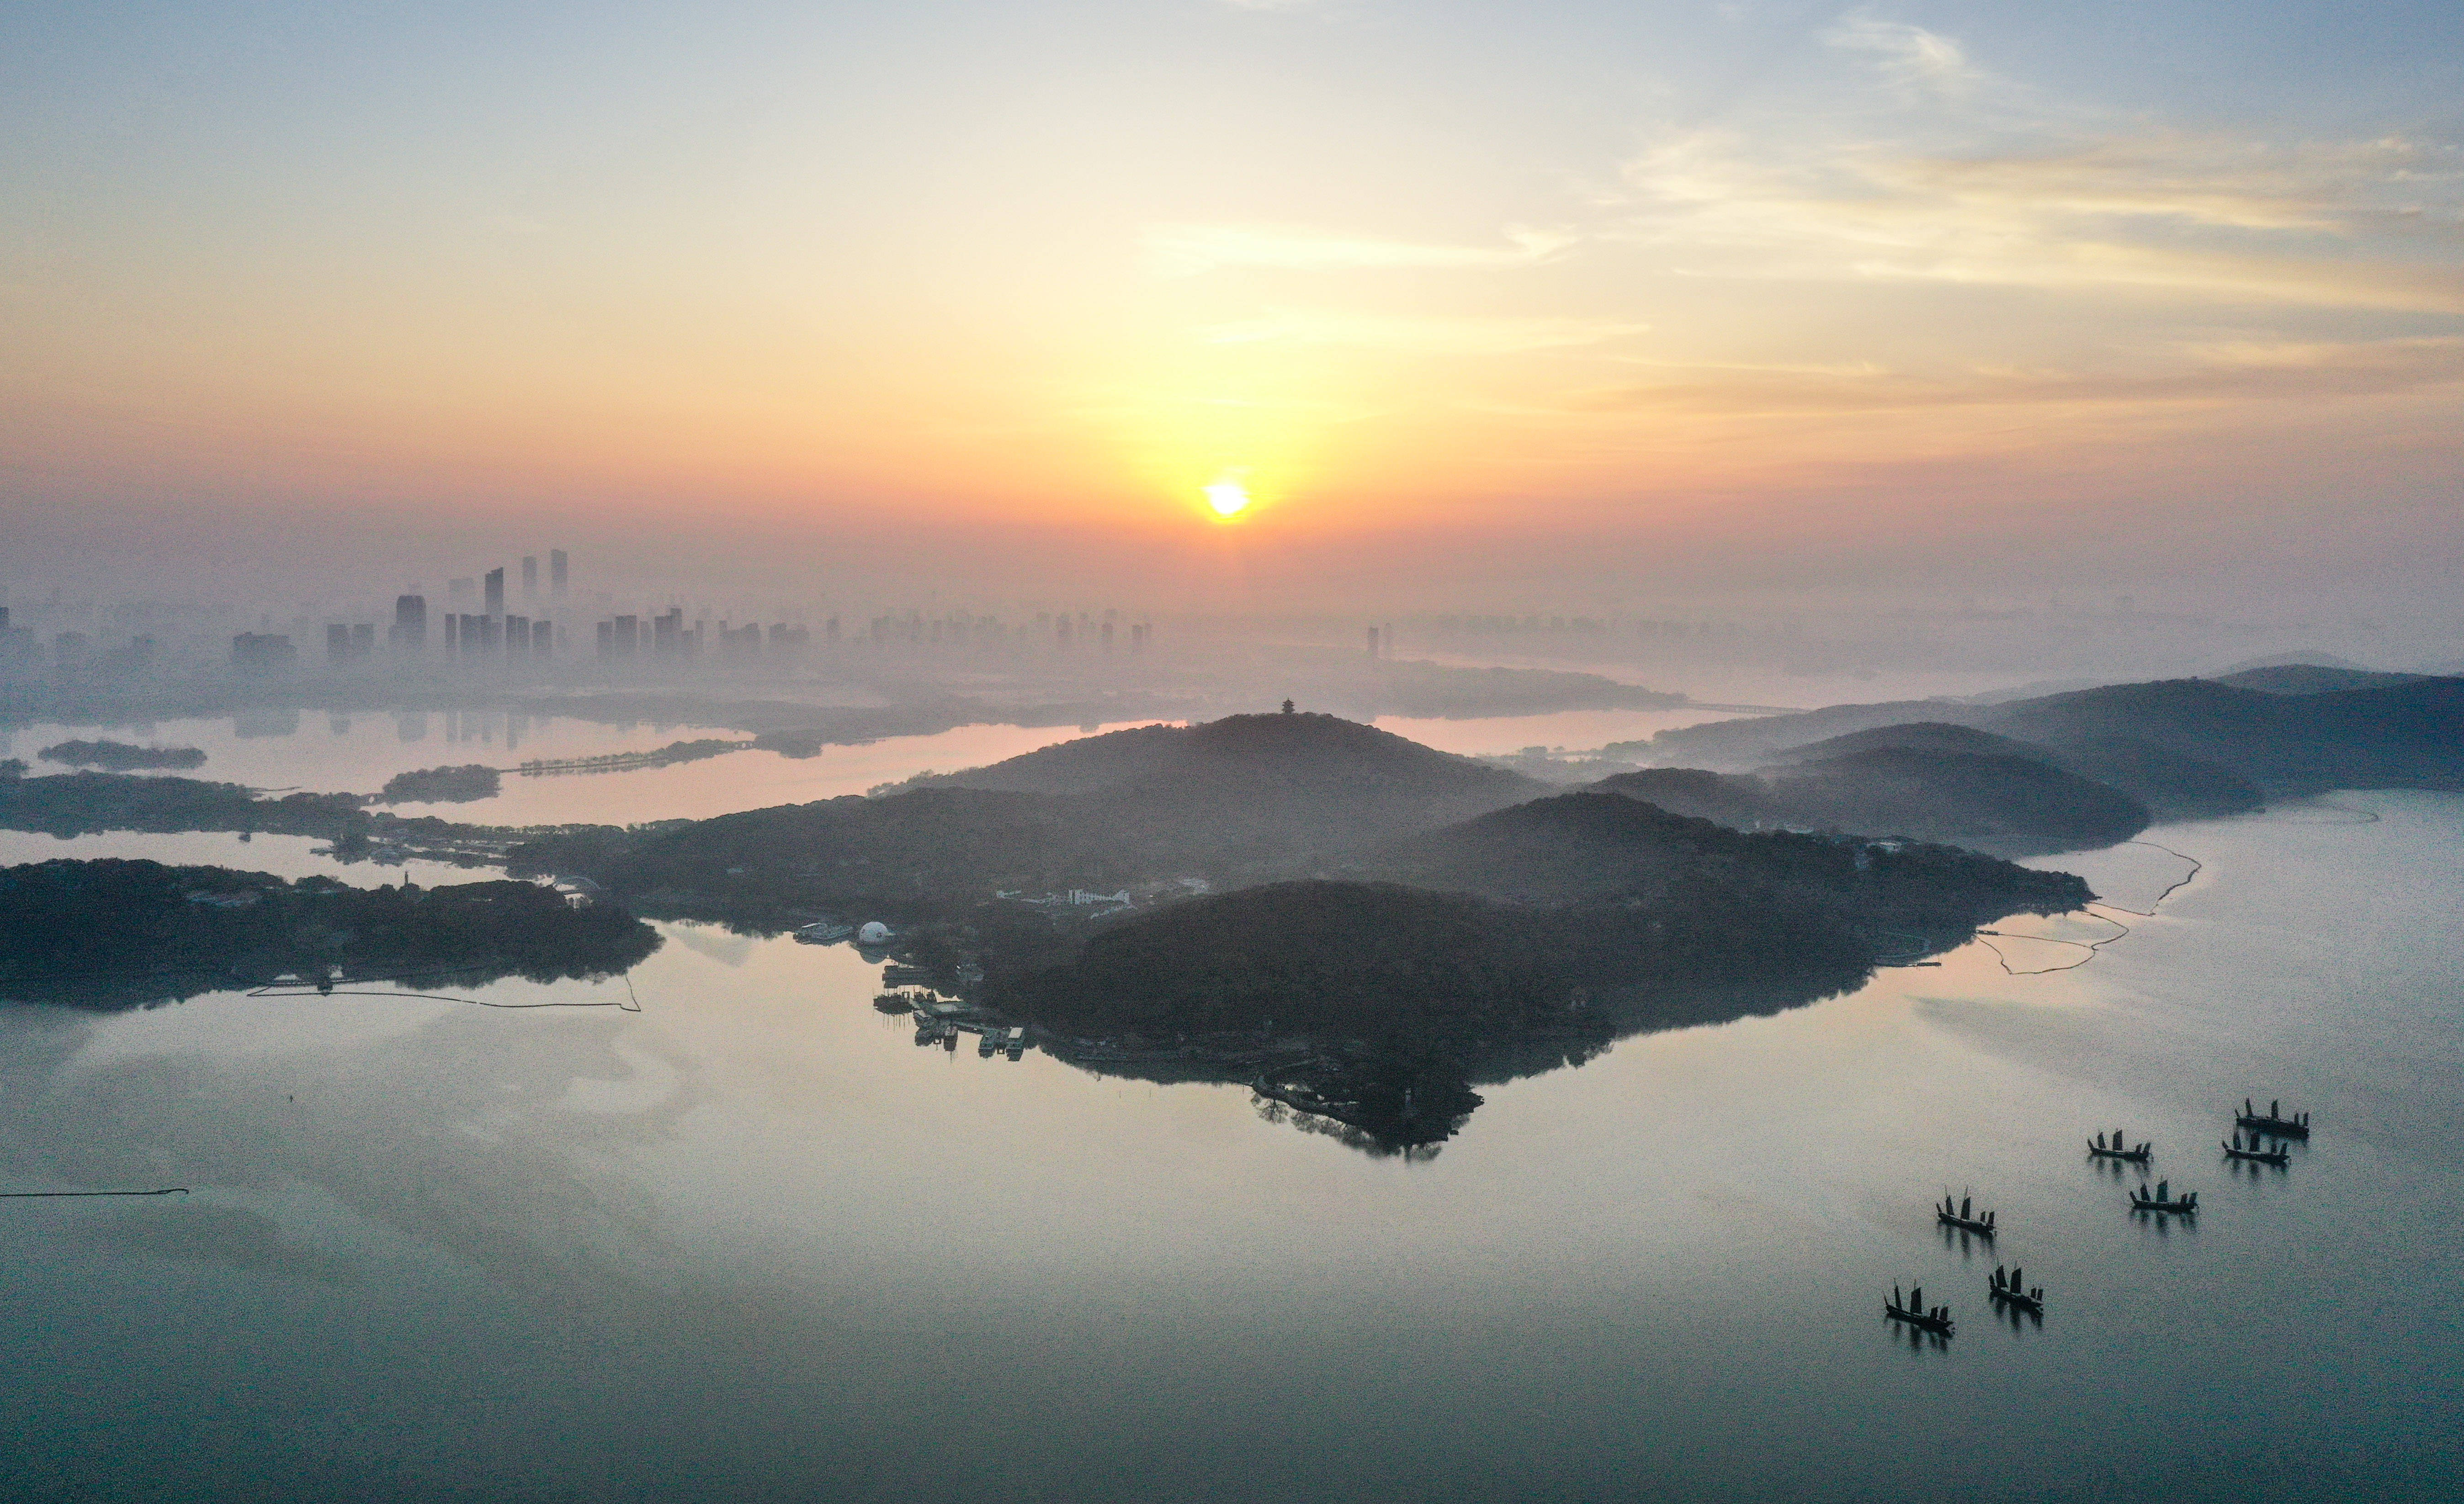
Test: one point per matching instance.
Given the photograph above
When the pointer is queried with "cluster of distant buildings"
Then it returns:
(514, 617)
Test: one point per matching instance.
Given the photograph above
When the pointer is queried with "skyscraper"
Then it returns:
(556, 571)
(410, 621)
(495, 607)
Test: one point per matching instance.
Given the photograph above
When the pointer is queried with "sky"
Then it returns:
(1544, 300)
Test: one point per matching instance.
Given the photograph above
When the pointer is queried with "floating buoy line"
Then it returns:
(630, 1003)
(2089, 948)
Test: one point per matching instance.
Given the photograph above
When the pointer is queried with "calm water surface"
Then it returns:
(356, 753)
(750, 1242)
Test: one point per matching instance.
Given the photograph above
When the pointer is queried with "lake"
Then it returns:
(356, 753)
(750, 1242)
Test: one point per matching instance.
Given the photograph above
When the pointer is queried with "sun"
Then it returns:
(1228, 497)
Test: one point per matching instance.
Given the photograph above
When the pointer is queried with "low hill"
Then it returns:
(1249, 778)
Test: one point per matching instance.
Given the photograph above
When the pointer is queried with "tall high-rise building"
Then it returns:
(410, 621)
(262, 652)
(496, 606)
(530, 576)
(556, 571)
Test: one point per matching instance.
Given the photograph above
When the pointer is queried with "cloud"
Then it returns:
(2375, 223)
(2229, 372)
(1188, 250)
(1913, 59)
(1430, 334)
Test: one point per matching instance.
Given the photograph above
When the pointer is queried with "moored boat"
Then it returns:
(1964, 1216)
(2273, 1120)
(1914, 1312)
(2012, 1290)
(2235, 1151)
(2164, 1201)
(2120, 1148)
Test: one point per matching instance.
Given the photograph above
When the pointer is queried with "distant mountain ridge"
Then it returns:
(2183, 746)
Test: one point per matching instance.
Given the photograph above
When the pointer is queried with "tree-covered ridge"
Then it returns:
(1987, 797)
(1595, 848)
(116, 934)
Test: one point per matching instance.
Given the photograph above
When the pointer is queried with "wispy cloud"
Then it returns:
(1912, 58)
(2331, 225)
(1431, 335)
(2223, 373)
(1188, 250)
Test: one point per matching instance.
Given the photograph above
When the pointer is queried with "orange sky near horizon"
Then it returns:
(1069, 273)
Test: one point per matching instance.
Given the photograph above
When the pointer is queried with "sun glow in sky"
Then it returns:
(1710, 279)
(1228, 497)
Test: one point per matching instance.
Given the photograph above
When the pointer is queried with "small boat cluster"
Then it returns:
(2007, 1289)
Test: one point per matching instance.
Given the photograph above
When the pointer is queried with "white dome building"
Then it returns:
(872, 934)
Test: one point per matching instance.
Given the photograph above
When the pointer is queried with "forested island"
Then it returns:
(455, 785)
(119, 934)
(1399, 923)
(120, 756)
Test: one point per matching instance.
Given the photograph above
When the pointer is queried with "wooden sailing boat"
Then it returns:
(2164, 1201)
(1914, 1312)
(1964, 1217)
(2119, 1148)
(2273, 1120)
(2233, 1150)
(2012, 1290)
